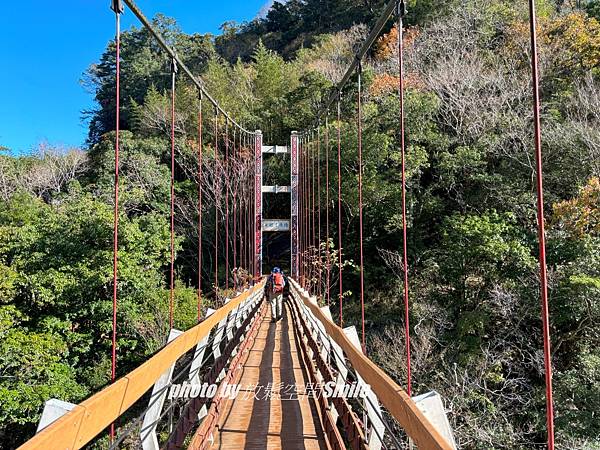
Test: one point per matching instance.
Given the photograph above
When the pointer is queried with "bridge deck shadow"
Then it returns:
(266, 414)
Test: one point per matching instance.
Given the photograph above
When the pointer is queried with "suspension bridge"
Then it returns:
(238, 379)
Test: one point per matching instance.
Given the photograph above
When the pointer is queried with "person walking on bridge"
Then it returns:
(274, 292)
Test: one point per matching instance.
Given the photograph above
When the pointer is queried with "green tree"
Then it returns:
(56, 298)
(146, 66)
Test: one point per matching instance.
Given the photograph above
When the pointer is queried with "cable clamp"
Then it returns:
(117, 6)
(401, 9)
(358, 64)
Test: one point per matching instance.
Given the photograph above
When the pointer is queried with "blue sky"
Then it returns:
(46, 46)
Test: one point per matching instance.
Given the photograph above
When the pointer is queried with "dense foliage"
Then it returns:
(474, 287)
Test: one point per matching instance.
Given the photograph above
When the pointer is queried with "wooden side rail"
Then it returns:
(392, 396)
(92, 416)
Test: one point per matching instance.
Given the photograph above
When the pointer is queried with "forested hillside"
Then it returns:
(474, 286)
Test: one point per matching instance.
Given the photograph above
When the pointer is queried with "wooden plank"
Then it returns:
(392, 396)
(279, 422)
(91, 417)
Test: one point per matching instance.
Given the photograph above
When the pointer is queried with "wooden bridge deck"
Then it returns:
(265, 415)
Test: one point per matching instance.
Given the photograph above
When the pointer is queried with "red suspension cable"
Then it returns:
(234, 198)
(401, 13)
(249, 241)
(339, 163)
(118, 9)
(300, 206)
(216, 195)
(309, 210)
(304, 215)
(247, 228)
(247, 196)
(541, 227)
(172, 271)
(234, 211)
(360, 210)
(255, 267)
(320, 279)
(240, 205)
(301, 234)
(309, 213)
(199, 206)
(304, 211)
(313, 211)
(241, 198)
(328, 263)
(227, 204)
(249, 214)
